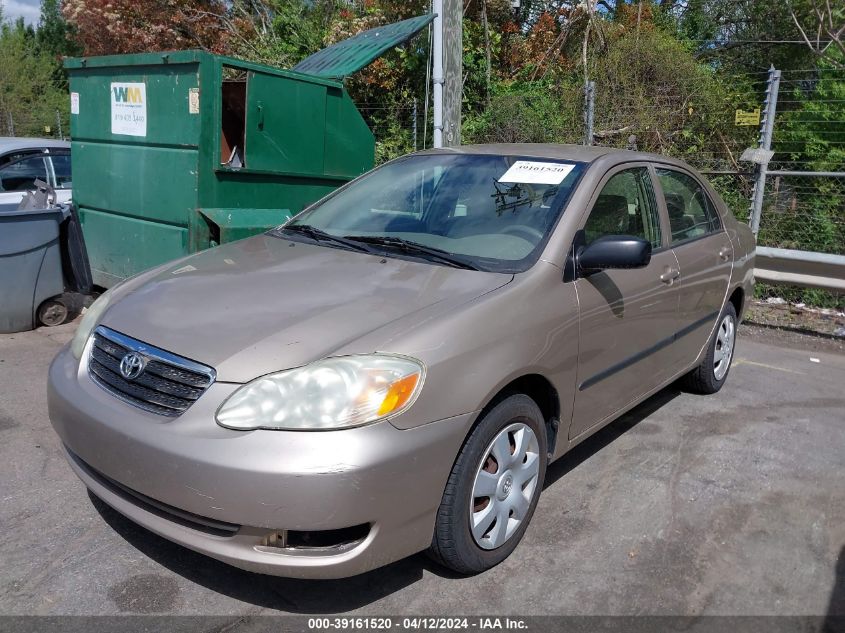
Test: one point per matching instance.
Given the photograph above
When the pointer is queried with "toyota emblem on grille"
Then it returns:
(131, 365)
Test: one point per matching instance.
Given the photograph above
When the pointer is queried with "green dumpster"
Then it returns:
(176, 152)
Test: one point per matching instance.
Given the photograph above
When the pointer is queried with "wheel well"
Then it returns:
(737, 299)
(541, 391)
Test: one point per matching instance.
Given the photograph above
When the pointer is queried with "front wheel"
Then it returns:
(493, 488)
(712, 373)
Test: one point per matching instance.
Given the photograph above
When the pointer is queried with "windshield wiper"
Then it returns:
(414, 248)
(320, 235)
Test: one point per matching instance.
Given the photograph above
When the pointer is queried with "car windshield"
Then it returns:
(485, 212)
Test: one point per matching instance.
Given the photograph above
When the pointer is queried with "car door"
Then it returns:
(626, 316)
(18, 175)
(704, 253)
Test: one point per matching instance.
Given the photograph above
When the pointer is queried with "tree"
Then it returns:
(826, 28)
(105, 27)
(280, 32)
(29, 96)
(54, 35)
(745, 36)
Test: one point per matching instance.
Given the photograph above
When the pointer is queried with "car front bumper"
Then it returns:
(222, 492)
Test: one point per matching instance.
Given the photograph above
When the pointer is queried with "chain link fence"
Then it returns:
(398, 130)
(21, 122)
(804, 209)
(803, 202)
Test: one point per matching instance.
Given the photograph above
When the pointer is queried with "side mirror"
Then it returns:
(613, 251)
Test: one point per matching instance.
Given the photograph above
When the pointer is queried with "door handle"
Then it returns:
(260, 116)
(669, 275)
(725, 253)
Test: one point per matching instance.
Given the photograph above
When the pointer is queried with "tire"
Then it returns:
(52, 313)
(710, 375)
(515, 491)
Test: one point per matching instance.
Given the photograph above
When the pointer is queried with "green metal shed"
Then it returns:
(176, 152)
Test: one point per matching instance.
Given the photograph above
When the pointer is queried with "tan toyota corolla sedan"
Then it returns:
(393, 369)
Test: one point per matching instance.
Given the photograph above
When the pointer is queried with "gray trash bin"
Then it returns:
(30, 264)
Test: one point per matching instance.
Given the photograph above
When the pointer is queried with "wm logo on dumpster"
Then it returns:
(127, 94)
(129, 108)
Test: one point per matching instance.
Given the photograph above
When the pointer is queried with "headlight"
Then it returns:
(88, 323)
(333, 393)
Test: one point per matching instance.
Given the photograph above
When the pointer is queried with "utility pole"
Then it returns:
(453, 76)
(447, 71)
(437, 72)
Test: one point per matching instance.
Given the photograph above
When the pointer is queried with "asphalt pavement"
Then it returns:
(726, 504)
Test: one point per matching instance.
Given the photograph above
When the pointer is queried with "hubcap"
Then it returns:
(53, 314)
(724, 347)
(505, 483)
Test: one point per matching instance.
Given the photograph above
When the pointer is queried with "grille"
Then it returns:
(167, 385)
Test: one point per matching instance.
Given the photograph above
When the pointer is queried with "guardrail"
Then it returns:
(800, 268)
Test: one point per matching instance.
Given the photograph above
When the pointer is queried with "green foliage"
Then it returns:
(528, 112)
(29, 93)
(294, 30)
(475, 64)
(394, 140)
(736, 193)
(651, 85)
(725, 31)
(647, 84)
(54, 36)
(813, 132)
(809, 213)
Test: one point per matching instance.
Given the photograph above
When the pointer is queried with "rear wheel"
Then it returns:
(493, 488)
(712, 373)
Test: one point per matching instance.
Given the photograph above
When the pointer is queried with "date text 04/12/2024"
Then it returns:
(479, 623)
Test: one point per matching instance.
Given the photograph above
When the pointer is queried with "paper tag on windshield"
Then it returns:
(534, 172)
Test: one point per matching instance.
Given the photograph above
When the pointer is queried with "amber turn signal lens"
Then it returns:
(398, 394)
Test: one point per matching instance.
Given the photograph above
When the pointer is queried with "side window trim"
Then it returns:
(610, 173)
(708, 200)
(665, 226)
(652, 195)
(51, 172)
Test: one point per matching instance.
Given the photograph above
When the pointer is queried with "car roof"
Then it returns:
(14, 143)
(558, 151)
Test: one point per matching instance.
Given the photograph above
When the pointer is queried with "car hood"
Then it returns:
(265, 304)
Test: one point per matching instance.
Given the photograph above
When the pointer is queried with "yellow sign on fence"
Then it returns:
(747, 118)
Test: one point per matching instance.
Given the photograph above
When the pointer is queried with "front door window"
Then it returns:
(626, 206)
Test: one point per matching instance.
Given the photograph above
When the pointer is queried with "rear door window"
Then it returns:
(691, 212)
